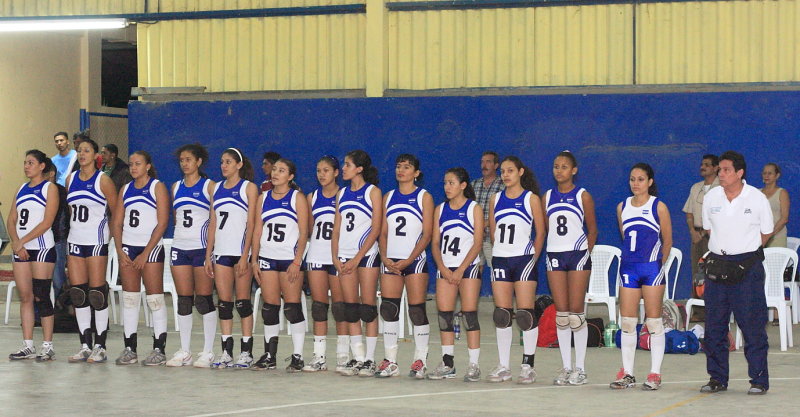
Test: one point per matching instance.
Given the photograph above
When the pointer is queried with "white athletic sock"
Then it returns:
(628, 348)
(474, 355)
(84, 317)
(565, 346)
(581, 338)
(390, 353)
(185, 326)
(448, 350)
(28, 343)
(529, 339)
(372, 343)
(209, 330)
(246, 339)
(47, 344)
(504, 345)
(320, 344)
(160, 321)
(226, 337)
(342, 345)
(298, 336)
(101, 320)
(130, 314)
(357, 346)
(422, 334)
(270, 331)
(657, 344)
(390, 329)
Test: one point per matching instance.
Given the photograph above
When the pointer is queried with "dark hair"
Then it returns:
(82, 135)
(42, 159)
(736, 159)
(92, 143)
(64, 134)
(528, 180)
(198, 151)
(330, 160)
(148, 160)
(292, 171)
(271, 156)
(777, 168)
(111, 148)
(569, 155)
(648, 170)
(414, 161)
(362, 159)
(492, 153)
(246, 171)
(463, 177)
(714, 158)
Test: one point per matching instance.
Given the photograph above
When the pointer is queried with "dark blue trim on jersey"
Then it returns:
(471, 230)
(272, 216)
(563, 208)
(351, 205)
(190, 203)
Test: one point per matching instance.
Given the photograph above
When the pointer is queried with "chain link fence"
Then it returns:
(105, 128)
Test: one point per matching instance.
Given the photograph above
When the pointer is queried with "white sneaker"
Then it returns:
(341, 362)
(204, 360)
(81, 356)
(526, 374)
(244, 361)
(562, 378)
(98, 355)
(317, 364)
(499, 374)
(180, 358)
(578, 377)
(223, 361)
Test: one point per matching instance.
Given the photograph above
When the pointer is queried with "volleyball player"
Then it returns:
(279, 240)
(514, 215)
(354, 246)
(92, 197)
(29, 222)
(191, 202)
(647, 240)
(569, 264)
(230, 234)
(457, 241)
(138, 226)
(405, 234)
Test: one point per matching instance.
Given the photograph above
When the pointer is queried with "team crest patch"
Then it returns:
(747, 211)
(196, 194)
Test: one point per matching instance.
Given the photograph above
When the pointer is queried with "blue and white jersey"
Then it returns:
(355, 207)
(31, 205)
(88, 222)
(404, 218)
(191, 205)
(141, 213)
(642, 231)
(230, 208)
(457, 233)
(280, 231)
(513, 220)
(565, 220)
(323, 211)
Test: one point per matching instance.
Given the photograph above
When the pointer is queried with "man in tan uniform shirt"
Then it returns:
(694, 209)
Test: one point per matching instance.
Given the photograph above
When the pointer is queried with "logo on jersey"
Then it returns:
(235, 193)
(645, 212)
(37, 191)
(462, 215)
(517, 204)
(284, 203)
(89, 186)
(412, 200)
(747, 211)
(569, 200)
(715, 210)
(359, 197)
(196, 194)
(146, 192)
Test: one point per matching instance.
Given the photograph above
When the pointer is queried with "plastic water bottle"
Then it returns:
(457, 325)
(609, 334)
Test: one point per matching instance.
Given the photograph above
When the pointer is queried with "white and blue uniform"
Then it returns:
(512, 251)
(323, 211)
(404, 219)
(280, 231)
(88, 223)
(457, 235)
(190, 239)
(567, 248)
(31, 206)
(641, 248)
(141, 218)
(355, 207)
(230, 209)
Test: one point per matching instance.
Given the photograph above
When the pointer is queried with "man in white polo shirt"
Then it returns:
(739, 220)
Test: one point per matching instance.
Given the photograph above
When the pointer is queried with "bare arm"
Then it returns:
(784, 219)
(666, 231)
(477, 242)
(383, 240)
(377, 221)
(337, 222)
(619, 221)
(255, 247)
(50, 212)
(252, 209)
(590, 218)
(538, 223)
(492, 223)
(162, 213)
(212, 232)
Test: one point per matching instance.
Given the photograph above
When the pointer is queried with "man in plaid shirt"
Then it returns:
(485, 187)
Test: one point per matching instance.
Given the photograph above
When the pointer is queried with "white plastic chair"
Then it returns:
(115, 286)
(793, 243)
(281, 318)
(603, 257)
(10, 293)
(675, 258)
(169, 283)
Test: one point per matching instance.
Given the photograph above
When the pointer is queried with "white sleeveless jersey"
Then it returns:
(88, 222)
(230, 208)
(280, 231)
(141, 213)
(31, 206)
(513, 225)
(404, 219)
(191, 205)
(641, 228)
(457, 233)
(323, 210)
(355, 207)
(565, 221)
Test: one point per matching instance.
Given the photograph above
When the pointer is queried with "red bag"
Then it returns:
(547, 328)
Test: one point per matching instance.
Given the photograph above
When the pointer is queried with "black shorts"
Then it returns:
(156, 256)
(329, 268)
(418, 266)
(87, 251)
(35, 255)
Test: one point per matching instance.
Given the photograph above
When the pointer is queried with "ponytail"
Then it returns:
(362, 159)
(463, 177)
(246, 171)
(528, 180)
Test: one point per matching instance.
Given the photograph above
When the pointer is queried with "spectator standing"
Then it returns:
(268, 160)
(488, 185)
(64, 159)
(114, 167)
(779, 203)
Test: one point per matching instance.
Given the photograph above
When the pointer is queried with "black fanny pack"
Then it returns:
(724, 271)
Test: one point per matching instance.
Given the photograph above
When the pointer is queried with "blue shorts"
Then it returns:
(372, 261)
(193, 257)
(418, 266)
(472, 272)
(575, 260)
(35, 255)
(277, 265)
(227, 260)
(514, 268)
(87, 251)
(329, 268)
(638, 274)
(156, 256)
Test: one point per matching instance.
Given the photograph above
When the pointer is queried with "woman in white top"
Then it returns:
(779, 203)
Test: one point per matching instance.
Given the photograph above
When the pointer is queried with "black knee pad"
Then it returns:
(502, 317)
(419, 316)
(337, 310)
(293, 312)
(244, 308)
(390, 309)
(185, 303)
(41, 297)
(79, 294)
(471, 320)
(225, 310)
(319, 311)
(269, 313)
(351, 314)
(98, 297)
(204, 303)
(446, 321)
(368, 312)
(526, 319)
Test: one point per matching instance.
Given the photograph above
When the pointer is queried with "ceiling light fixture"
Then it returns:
(31, 25)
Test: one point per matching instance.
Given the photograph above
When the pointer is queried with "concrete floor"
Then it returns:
(61, 388)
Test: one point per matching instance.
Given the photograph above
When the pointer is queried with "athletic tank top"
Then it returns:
(565, 220)
(642, 231)
(191, 205)
(88, 222)
(404, 218)
(31, 205)
(141, 214)
(280, 231)
(513, 225)
(457, 233)
(230, 208)
(323, 210)
(355, 207)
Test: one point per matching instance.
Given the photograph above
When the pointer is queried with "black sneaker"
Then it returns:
(266, 361)
(757, 389)
(296, 364)
(713, 386)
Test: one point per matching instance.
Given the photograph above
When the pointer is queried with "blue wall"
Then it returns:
(608, 133)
